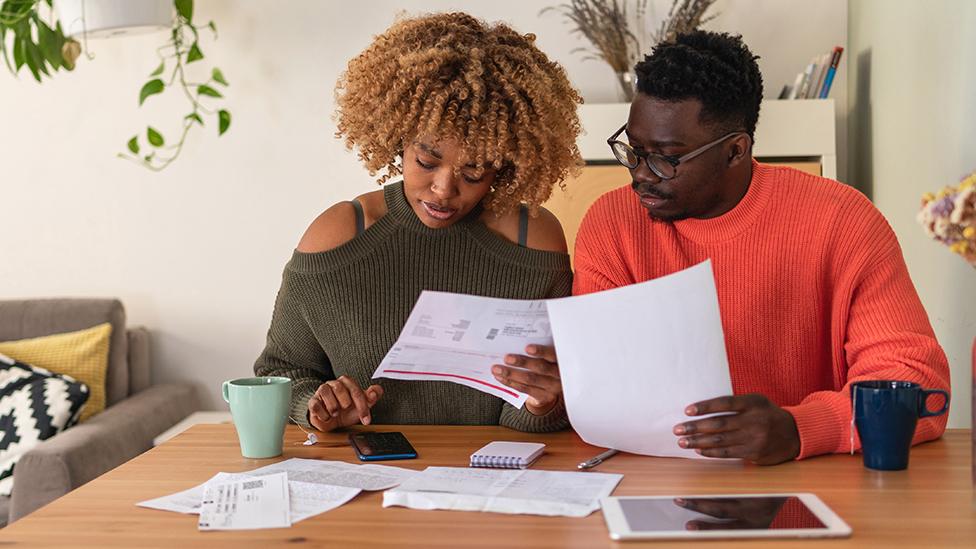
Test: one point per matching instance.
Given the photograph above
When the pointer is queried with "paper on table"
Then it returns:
(548, 493)
(457, 338)
(308, 499)
(632, 358)
(338, 473)
(188, 501)
(246, 504)
(305, 499)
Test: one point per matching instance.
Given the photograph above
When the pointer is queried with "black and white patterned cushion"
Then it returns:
(35, 405)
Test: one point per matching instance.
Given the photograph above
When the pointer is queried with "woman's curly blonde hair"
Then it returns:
(453, 76)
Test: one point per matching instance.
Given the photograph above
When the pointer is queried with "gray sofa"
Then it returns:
(135, 412)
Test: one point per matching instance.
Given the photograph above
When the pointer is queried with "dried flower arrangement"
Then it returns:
(949, 217)
(621, 35)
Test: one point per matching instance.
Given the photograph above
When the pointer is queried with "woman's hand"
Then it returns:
(537, 375)
(341, 403)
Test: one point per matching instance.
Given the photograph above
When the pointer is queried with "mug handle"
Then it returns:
(923, 402)
(225, 389)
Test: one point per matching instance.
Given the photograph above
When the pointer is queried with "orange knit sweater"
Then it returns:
(813, 291)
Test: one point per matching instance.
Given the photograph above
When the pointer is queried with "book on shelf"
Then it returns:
(831, 71)
(815, 81)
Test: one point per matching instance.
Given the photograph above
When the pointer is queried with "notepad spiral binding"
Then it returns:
(499, 462)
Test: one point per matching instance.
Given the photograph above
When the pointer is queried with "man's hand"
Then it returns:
(341, 403)
(757, 430)
(536, 375)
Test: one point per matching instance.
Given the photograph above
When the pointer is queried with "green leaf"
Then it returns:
(213, 27)
(159, 70)
(154, 137)
(184, 8)
(195, 117)
(151, 88)
(31, 57)
(218, 77)
(224, 120)
(133, 144)
(19, 58)
(207, 90)
(49, 44)
(194, 54)
(34, 53)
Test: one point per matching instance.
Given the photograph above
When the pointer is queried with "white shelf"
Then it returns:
(801, 129)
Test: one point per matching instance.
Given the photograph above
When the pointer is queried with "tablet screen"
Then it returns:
(718, 513)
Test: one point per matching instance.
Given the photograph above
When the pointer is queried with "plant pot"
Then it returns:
(107, 18)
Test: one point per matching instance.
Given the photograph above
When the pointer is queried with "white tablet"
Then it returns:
(721, 516)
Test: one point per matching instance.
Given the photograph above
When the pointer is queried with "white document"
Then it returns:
(246, 504)
(305, 499)
(547, 493)
(632, 358)
(188, 501)
(338, 473)
(457, 338)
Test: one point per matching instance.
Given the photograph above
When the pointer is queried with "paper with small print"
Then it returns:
(188, 501)
(246, 504)
(547, 493)
(457, 338)
(632, 358)
(314, 486)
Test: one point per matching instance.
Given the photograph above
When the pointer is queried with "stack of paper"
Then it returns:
(313, 487)
(548, 493)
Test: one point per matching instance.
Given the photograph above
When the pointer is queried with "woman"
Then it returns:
(481, 126)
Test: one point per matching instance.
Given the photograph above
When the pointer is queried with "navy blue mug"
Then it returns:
(885, 413)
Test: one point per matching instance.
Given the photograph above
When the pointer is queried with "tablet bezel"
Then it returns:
(620, 530)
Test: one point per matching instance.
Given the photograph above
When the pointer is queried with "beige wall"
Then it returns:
(196, 252)
(913, 130)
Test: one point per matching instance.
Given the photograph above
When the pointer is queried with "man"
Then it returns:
(813, 290)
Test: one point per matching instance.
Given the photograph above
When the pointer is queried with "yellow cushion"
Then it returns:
(82, 355)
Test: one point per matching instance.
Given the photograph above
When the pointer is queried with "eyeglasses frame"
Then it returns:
(675, 161)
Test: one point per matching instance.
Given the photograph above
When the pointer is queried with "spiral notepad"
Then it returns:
(507, 455)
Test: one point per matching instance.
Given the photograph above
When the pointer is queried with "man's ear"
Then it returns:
(740, 149)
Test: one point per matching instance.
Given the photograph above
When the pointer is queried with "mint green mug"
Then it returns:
(259, 406)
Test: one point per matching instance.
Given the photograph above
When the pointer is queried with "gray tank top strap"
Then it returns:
(360, 218)
(523, 231)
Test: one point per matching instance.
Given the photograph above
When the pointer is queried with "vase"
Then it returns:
(106, 18)
(628, 86)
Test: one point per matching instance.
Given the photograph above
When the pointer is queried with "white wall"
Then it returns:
(913, 99)
(196, 252)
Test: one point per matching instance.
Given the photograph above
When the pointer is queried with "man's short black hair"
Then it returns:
(715, 68)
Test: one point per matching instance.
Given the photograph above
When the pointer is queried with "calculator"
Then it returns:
(381, 446)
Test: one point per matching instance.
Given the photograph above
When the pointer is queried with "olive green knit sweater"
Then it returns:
(338, 312)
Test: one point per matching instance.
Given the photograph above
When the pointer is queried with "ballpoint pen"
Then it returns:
(598, 459)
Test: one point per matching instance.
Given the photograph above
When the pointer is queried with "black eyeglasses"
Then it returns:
(665, 167)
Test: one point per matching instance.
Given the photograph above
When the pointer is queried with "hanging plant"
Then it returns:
(34, 43)
(30, 39)
(183, 48)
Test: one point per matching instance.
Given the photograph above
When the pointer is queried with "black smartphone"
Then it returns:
(381, 446)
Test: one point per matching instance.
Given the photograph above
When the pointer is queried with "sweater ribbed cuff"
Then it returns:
(301, 391)
(818, 426)
(524, 420)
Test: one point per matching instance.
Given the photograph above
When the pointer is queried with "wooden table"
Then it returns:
(929, 505)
